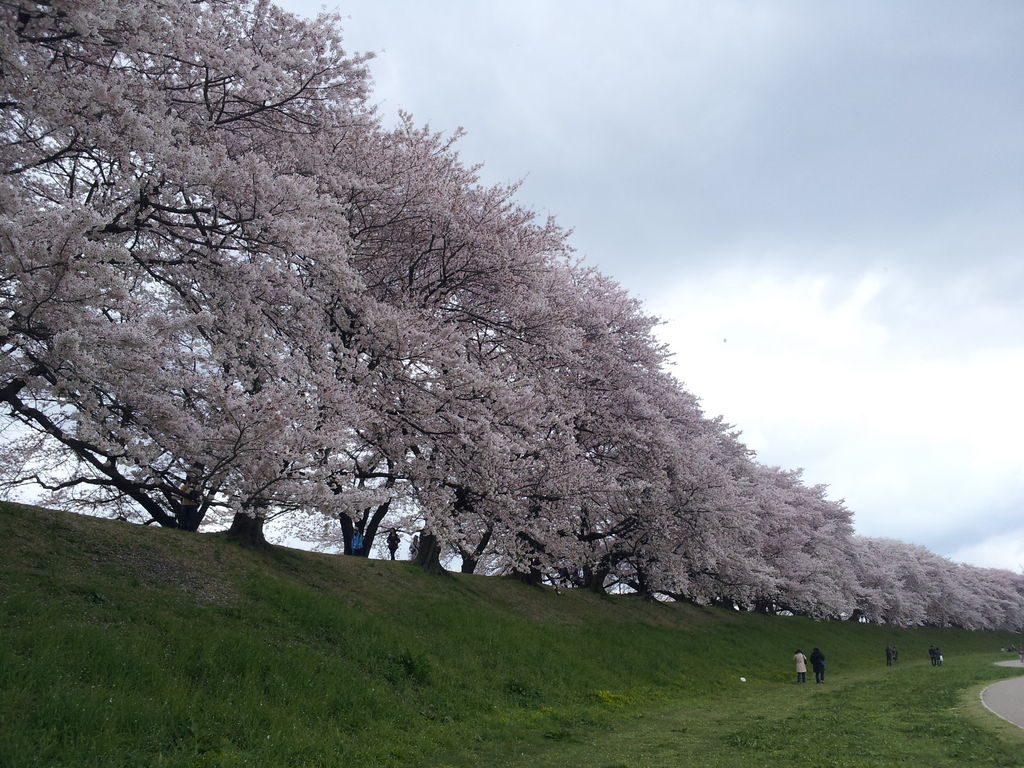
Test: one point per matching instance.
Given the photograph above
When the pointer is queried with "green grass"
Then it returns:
(128, 646)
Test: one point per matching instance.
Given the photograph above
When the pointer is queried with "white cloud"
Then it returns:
(923, 448)
(1004, 550)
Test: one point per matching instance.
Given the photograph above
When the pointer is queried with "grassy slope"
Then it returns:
(124, 646)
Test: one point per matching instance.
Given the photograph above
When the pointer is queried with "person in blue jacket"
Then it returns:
(818, 665)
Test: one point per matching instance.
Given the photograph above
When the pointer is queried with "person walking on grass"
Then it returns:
(818, 665)
(888, 656)
(1020, 652)
(801, 666)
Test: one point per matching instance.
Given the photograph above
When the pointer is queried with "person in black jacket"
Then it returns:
(818, 665)
(393, 542)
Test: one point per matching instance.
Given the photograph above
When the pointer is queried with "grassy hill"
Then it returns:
(123, 645)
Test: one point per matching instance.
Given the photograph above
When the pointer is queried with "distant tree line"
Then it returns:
(230, 292)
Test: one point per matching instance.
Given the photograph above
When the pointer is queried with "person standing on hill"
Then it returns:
(801, 666)
(188, 517)
(888, 656)
(818, 664)
(393, 542)
(895, 656)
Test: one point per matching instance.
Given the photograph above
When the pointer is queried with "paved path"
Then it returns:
(1006, 698)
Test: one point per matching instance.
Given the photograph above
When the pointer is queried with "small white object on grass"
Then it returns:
(743, 679)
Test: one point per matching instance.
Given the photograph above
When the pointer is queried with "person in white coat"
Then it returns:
(801, 666)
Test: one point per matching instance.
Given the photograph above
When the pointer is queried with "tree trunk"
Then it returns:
(470, 560)
(533, 575)
(247, 530)
(643, 585)
(531, 578)
(469, 563)
(372, 525)
(368, 523)
(765, 606)
(429, 556)
(594, 578)
(88, 453)
(347, 529)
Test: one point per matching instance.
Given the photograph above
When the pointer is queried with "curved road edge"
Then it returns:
(1005, 699)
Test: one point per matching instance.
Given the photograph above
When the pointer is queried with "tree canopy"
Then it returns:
(228, 289)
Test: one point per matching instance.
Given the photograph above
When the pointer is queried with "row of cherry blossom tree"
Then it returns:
(229, 291)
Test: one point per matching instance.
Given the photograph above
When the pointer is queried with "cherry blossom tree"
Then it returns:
(902, 583)
(803, 541)
(226, 289)
(159, 261)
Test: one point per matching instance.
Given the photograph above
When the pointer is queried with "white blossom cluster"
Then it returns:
(227, 289)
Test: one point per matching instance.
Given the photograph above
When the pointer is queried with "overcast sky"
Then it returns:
(823, 200)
